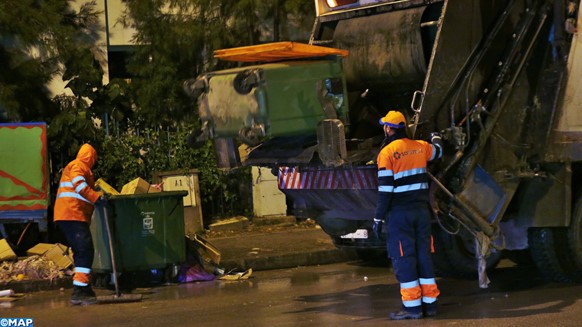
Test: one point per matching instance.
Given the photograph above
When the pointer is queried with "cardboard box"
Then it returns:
(6, 252)
(153, 189)
(39, 249)
(100, 183)
(136, 186)
(57, 253)
(208, 251)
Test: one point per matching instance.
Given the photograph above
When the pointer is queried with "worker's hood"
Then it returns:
(87, 155)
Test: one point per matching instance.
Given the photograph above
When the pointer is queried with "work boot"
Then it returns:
(83, 295)
(429, 309)
(403, 314)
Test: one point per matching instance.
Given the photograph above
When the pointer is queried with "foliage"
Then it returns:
(41, 39)
(45, 41)
(149, 151)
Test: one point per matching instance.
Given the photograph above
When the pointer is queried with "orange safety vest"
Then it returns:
(76, 195)
(402, 169)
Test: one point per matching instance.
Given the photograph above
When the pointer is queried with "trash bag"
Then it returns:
(192, 272)
(194, 268)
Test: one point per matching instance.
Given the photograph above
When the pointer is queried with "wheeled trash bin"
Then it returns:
(147, 233)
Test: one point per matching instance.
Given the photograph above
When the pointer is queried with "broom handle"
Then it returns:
(112, 254)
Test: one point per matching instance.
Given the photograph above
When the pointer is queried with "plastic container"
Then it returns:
(259, 100)
(147, 231)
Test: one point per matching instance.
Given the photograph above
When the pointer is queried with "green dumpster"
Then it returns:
(147, 232)
(286, 99)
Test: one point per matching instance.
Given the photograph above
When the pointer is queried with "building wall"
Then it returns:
(110, 34)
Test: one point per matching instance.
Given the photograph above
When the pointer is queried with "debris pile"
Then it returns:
(30, 268)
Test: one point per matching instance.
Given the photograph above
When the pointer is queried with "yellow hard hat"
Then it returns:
(394, 119)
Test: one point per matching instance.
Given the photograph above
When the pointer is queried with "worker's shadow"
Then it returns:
(514, 292)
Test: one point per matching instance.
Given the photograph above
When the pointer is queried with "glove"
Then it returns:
(377, 227)
(434, 135)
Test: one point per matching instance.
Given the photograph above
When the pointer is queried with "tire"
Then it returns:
(545, 254)
(565, 254)
(575, 240)
(455, 254)
(442, 266)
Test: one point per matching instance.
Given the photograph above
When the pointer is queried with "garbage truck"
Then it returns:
(501, 82)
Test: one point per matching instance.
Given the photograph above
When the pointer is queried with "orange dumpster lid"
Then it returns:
(276, 51)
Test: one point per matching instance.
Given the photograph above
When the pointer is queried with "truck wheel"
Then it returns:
(542, 243)
(566, 254)
(459, 251)
(442, 266)
(575, 240)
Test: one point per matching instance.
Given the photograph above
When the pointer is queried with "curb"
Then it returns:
(291, 260)
(29, 286)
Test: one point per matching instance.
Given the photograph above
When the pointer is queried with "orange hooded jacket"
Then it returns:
(76, 195)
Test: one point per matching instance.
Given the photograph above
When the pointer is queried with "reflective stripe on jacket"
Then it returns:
(76, 195)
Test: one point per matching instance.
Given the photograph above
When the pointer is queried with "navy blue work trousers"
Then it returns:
(409, 242)
(78, 236)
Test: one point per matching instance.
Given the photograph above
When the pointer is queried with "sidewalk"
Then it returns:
(281, 248)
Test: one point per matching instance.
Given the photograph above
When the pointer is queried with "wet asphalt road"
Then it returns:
(329, 295)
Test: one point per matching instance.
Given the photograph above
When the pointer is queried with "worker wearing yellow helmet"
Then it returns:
(403, 202)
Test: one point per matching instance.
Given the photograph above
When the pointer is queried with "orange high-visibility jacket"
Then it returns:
(402, 174)
(76, 195)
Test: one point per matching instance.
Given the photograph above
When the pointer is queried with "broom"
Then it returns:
(117, 297)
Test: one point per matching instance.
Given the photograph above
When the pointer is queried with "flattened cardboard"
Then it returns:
(106, 187)
(57, 253)
(6, 252)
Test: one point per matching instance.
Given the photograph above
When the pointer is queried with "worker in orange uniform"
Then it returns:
(403, 201)
(76, 198)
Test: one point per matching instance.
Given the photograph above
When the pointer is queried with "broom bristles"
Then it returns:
(122, 298)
